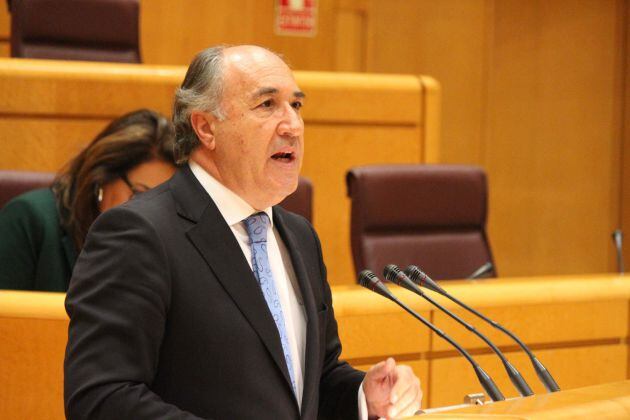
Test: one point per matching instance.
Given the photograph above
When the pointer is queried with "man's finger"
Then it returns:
(408, 403)
(383, 369)
(402, 379)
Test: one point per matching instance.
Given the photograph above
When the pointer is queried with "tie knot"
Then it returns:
(256, 226)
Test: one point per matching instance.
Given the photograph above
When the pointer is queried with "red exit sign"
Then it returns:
(296, 17)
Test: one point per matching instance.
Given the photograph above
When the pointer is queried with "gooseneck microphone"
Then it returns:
(482, 271)
(421, 279)
(369, 280)
(617, 237)
(394, 275)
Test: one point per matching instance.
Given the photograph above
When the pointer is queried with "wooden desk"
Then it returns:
(576, 325)
(33, 335)
(605, 401)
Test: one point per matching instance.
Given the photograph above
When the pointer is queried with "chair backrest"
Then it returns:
(432, 216)
(94, 30)
(14, 183)
(301, 201)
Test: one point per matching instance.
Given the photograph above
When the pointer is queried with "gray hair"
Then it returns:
(201, 90)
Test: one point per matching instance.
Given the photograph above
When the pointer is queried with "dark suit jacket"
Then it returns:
(35, 252)
(167, 320)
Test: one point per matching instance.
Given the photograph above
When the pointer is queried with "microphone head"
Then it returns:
(369, 280)
(421, 279)
(393, 274)
(482, 271)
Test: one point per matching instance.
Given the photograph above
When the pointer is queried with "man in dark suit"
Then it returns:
(200, 299)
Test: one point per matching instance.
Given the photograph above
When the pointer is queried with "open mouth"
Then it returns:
(283, 157)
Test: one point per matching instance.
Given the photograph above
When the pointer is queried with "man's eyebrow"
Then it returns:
(264, 91)
(271, 91)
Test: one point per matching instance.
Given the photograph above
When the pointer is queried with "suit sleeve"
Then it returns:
(340, 382)
(117, 302)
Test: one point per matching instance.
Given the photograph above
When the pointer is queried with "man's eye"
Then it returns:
(266, 104)
(297, 105)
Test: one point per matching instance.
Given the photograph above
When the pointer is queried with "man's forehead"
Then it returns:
(251, 59)
(243, 53)
(251, 72)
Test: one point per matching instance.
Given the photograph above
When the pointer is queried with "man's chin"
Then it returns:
(284, 188)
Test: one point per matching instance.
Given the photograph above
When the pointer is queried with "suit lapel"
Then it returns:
(214, 240)
(311, 377)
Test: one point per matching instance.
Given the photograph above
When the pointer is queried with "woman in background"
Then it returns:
(42, 231)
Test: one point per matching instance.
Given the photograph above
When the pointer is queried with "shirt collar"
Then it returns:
(231, 206)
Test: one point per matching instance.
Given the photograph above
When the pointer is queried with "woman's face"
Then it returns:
(141, 178)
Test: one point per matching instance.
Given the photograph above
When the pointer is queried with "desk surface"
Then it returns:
(606, 401)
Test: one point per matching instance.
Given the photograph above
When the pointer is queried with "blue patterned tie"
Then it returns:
(257, 225)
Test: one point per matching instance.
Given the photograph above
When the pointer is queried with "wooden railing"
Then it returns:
(577, 326)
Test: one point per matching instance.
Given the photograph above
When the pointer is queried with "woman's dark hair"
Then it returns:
(125, 143)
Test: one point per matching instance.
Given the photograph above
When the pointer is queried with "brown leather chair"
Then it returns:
(90, 30)
(14, 183)
(301, 201)
(432, 216)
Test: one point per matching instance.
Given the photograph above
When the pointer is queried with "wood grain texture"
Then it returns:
(444, 39)
(5, 22)
(173, 31)
(31, 372)
(604, 401)
(625, 149)
(576, 325)
(40, 305)
(44, 144)
(33, 332)
(551, 149)
(527, 307)
(531, 91)
(5, 31)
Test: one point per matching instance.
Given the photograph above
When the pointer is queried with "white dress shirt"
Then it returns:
(235, 210)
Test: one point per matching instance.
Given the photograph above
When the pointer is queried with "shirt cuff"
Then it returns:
(363, 410)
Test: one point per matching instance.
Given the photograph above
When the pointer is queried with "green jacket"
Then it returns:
(35, 253)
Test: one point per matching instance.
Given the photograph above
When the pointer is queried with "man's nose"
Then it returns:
(291, 123)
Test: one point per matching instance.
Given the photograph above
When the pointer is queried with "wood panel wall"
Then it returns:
(625, 150)
(5, 30)
(531, 90)
(552, 142)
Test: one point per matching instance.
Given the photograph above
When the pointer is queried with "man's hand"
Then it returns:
(391, 390)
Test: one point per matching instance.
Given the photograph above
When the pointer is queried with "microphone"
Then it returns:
(394, 275)
(369, 280)
(482, 271)
(421, 279)
(617, 237)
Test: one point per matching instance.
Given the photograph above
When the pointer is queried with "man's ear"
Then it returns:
(203, 124)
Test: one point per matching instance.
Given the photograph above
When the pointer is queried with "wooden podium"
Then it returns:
(606, 401)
